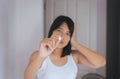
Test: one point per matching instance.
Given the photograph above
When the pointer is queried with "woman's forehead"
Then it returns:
(64, 26)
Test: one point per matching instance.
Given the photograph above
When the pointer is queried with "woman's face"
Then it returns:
(62, 31)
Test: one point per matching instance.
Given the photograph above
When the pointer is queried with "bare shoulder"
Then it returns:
(34, 55)
(75, 55)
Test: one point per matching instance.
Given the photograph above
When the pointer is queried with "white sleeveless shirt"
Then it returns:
(50, 71)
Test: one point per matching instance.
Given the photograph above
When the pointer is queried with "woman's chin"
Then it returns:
(60, 47)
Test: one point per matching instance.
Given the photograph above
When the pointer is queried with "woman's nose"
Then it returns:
(61, 35)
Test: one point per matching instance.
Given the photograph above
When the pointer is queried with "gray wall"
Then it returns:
(21, 29)
(3, 39)
(101, 31)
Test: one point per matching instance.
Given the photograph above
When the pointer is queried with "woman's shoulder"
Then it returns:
(34, 55)
(75, 55)
(35, 52)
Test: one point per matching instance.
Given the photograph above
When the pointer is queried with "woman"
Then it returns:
(55, 59)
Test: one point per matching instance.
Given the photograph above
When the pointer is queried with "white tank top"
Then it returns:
(50, 71)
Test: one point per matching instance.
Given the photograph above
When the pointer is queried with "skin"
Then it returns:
(53, 47)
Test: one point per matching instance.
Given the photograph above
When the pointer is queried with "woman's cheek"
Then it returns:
(67, 40)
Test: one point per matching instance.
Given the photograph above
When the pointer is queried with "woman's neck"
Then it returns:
(57, 52)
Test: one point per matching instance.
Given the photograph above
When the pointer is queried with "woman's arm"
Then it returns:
(47, 46)
(87, 56)
(33, 66)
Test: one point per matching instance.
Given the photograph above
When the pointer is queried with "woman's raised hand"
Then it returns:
(48, 45)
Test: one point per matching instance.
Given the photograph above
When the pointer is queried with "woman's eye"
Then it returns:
(68, 34)
(59, 30)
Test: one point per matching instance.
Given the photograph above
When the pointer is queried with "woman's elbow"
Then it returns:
(25, 74)
(101, 64)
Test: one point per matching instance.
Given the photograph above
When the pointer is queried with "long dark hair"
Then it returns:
(56, 24)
